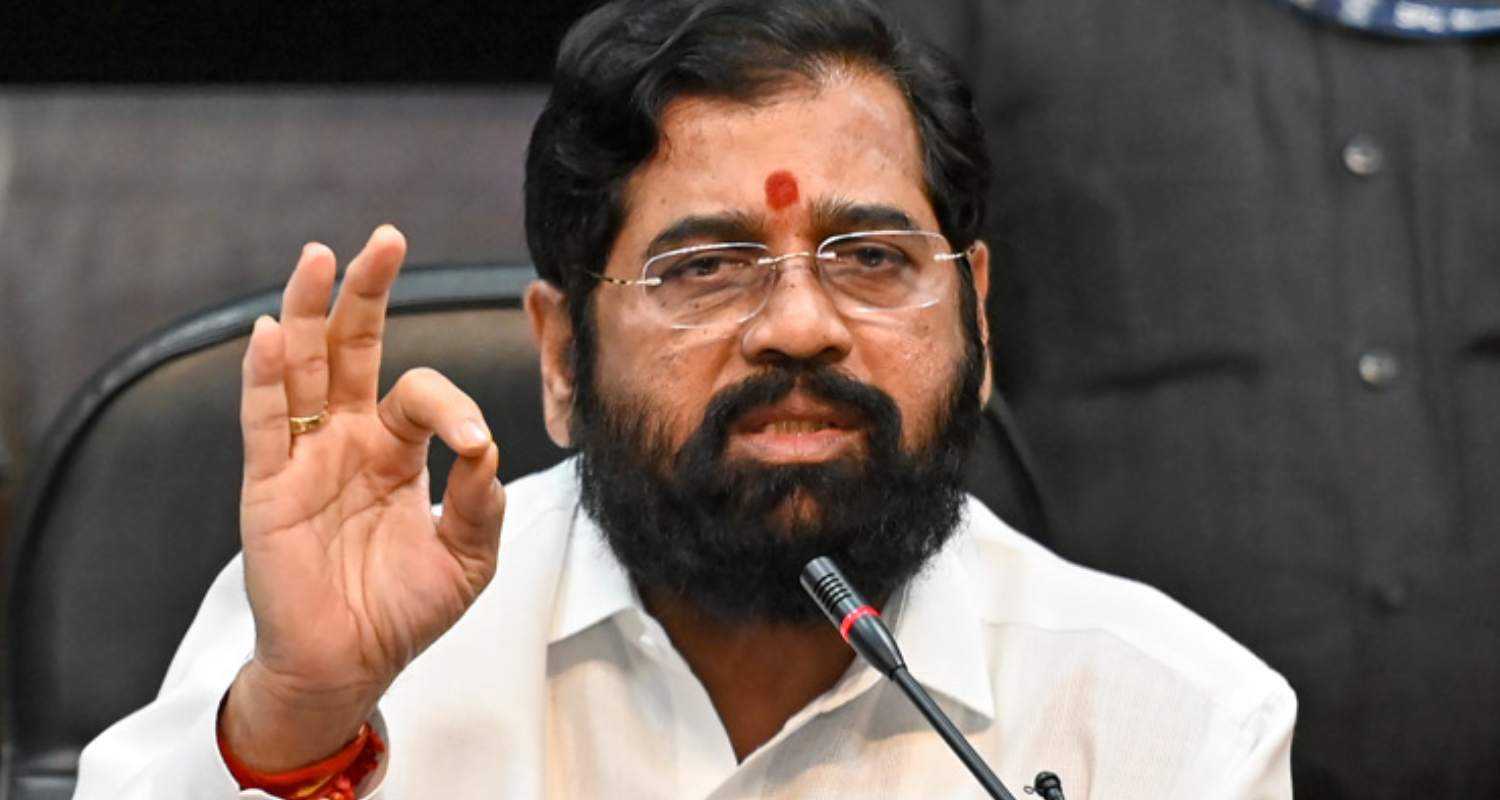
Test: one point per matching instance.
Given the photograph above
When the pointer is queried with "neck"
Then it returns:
(756, 674)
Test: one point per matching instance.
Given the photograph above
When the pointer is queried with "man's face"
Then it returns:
(850, 141)
(715, 454)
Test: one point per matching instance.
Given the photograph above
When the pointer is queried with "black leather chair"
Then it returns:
(130, 509)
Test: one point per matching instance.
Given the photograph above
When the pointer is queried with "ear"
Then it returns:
(979, 267)
(547, 308)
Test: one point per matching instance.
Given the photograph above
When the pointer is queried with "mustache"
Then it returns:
(821, 382)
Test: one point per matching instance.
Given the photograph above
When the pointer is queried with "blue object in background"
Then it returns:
(1409, 19)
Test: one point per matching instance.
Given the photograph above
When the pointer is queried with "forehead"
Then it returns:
(848, 138)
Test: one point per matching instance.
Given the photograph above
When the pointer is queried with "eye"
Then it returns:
(707, 266)
(700, 266)
(871, 255)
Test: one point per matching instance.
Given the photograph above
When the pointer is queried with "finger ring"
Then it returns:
(301, 425)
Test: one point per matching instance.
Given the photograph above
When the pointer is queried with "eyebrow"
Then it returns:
(730, 226)
(829, 217)
(834, 216)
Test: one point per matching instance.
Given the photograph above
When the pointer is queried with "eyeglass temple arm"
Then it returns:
(627, 281)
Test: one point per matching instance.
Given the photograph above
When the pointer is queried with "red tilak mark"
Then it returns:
(853, 617)
(781, 190)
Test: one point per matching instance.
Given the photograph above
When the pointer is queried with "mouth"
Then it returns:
(797, 430)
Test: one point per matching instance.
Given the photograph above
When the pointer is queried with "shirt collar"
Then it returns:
(935, 619)
(594, 585)
(938, 627)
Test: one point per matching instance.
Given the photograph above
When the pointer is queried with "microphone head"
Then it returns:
(858, 622)
(830, 590)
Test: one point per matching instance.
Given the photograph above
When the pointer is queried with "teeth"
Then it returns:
(797, 426)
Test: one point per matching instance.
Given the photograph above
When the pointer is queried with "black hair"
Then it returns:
(620, 66)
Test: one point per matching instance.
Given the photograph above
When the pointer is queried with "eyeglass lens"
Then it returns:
(721, 283)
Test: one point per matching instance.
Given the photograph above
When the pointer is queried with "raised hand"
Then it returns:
(348, 573)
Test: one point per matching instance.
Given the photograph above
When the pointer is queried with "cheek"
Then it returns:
(917, 369)
(673, 374)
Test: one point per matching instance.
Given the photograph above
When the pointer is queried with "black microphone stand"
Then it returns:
(950, 734)
(861, 627)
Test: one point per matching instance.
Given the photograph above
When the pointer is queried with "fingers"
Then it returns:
(304, 305)
(358, 319)
(424, 403)
(263, 402)
(473, 506)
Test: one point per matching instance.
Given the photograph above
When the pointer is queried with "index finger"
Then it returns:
(358, 320)
(263, 405)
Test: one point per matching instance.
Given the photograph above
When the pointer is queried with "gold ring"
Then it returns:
(301, 425)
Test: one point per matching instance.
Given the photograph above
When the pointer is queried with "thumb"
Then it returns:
(473, 507)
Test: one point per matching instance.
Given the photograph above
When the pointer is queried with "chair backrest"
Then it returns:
(131, 508)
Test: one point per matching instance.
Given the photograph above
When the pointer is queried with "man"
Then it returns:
(1246, 308)
(759, 323)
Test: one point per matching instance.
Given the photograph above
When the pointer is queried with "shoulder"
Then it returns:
(541, 511)
(537, 503)
(541, 496)
(1018, 583)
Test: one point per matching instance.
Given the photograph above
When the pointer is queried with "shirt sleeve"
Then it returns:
(1265, 771)
(169, 749)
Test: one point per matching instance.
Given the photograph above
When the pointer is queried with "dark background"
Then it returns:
(298, 43)
(158, 158)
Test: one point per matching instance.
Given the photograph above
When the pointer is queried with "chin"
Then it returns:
(797, 514)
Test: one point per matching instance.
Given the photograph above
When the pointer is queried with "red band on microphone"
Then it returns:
(853, 617)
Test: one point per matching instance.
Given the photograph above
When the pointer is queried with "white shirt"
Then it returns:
(557, 683)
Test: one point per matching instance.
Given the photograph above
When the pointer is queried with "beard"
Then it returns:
(731, 536)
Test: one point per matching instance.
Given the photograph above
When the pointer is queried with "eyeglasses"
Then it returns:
(727, 283)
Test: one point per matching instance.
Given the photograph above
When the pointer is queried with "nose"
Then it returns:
(799, 321)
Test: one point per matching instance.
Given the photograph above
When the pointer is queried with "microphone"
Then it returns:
(860, 625)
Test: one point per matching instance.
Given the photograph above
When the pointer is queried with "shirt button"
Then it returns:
(1363, 157)
(1379, 369)
(1393, 594)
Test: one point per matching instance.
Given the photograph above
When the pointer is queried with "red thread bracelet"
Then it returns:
(332, 778)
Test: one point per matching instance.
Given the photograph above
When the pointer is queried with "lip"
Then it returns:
(796, 430)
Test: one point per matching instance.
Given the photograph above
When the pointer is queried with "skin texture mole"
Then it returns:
(781, 190)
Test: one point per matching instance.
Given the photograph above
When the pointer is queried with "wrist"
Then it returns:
(272, 728)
